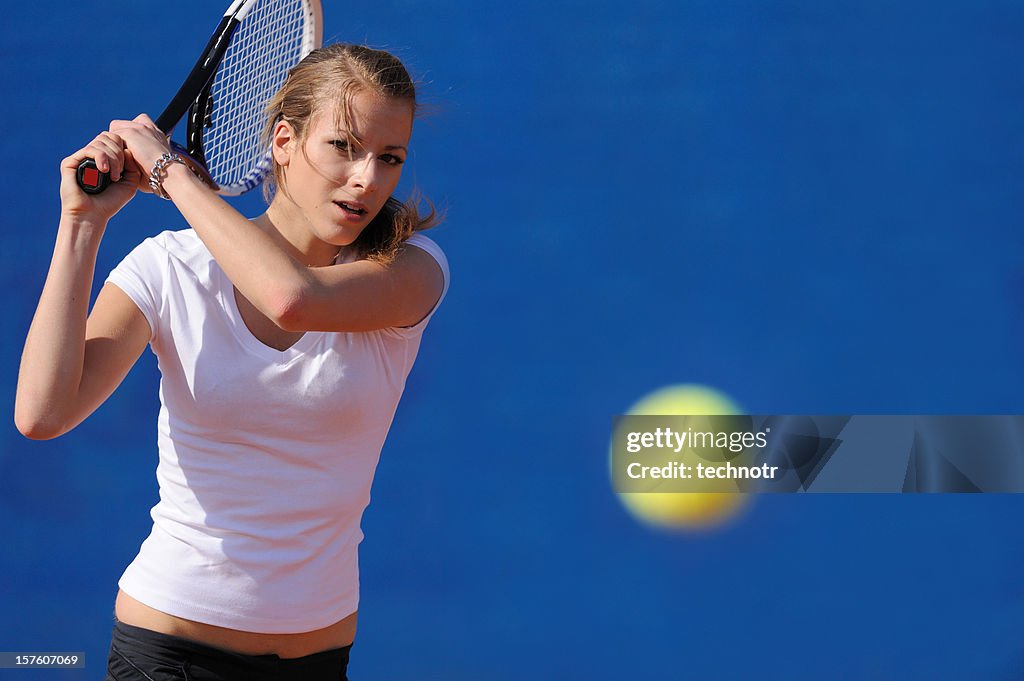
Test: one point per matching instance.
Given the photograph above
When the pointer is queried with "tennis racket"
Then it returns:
(242, 67)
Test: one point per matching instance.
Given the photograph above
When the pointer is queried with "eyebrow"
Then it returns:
(359, 139)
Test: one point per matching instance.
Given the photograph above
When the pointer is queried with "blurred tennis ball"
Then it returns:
(683, 510)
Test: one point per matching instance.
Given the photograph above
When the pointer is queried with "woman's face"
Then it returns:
(339, 189)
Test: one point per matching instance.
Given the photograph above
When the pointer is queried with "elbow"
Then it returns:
(288, 309)
(37, 428)
(37, 420)
(295, 305)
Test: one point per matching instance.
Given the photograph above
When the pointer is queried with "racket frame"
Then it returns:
(193, 95)
(199, 110)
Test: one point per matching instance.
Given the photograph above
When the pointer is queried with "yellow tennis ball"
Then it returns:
(683, 510)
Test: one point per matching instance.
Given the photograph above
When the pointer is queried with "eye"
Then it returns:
(340, 145)
(392, 160)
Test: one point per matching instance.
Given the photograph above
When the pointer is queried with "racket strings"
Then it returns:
(272, 39)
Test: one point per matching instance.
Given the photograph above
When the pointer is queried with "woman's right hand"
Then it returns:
(108, 150)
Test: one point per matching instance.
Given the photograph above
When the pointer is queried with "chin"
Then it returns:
(342, 237)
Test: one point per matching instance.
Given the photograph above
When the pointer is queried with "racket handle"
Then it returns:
(90, 179)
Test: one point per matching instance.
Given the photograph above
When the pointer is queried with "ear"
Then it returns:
(282, 142)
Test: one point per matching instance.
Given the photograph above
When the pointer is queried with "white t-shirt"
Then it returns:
(266, 457)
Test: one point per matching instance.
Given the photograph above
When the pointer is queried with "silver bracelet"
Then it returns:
(159, 173)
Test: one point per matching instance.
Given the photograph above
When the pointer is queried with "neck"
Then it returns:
(288, 227)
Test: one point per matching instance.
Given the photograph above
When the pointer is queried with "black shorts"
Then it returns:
(138, 654)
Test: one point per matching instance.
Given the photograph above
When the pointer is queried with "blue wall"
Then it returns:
(814, 207)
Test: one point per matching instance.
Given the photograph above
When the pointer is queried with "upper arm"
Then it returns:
(115, 336)
(366, 295)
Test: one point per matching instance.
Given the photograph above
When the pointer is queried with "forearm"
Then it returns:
(53, 358)
(266, 275)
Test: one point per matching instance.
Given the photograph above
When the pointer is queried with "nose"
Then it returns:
(364, 174)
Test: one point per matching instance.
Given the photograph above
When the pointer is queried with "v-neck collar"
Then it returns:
(249, 341)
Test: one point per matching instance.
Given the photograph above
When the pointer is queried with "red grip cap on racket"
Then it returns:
(90, 179)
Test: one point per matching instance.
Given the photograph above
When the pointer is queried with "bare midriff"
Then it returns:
(337, 635)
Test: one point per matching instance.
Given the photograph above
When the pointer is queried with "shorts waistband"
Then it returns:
(174, 645)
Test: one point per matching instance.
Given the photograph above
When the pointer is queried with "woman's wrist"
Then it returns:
(176, 176)
(82, 233)
(82, 222)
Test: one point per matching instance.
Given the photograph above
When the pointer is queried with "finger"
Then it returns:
(120, 124)
(134, 172)
(112, 138)
(131, 173)
(113, 151)
(69, 164)
(107, 151)
(103, 155)
(145, 120)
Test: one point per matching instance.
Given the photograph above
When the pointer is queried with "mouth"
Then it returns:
(351, 208)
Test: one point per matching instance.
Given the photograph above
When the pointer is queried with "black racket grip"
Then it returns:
(90, 179)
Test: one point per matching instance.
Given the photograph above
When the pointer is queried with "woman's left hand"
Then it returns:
(145, 143)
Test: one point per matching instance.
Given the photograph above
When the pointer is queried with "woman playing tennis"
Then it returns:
(283, 342)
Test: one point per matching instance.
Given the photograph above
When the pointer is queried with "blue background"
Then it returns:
(811, 206)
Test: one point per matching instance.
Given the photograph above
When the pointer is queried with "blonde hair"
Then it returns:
(337, 73)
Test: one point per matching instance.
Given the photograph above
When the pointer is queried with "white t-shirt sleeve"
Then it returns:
(140, 275)
(428, 245)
